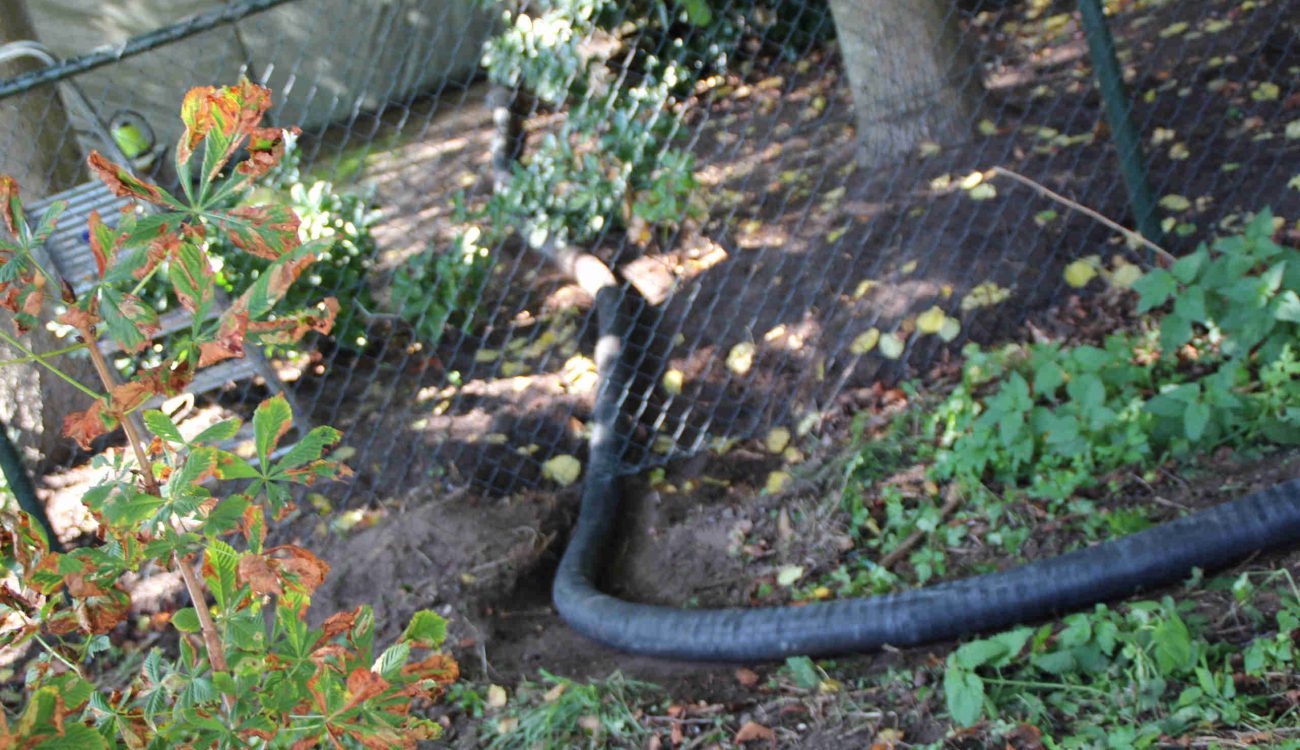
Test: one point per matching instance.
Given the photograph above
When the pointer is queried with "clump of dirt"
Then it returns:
(450, 554)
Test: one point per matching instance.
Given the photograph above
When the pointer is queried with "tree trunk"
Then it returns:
(38, 149)
(912, 76)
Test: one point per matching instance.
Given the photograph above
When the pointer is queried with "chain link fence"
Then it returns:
(793, 264)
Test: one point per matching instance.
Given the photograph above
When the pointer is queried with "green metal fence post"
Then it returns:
(1128, 142)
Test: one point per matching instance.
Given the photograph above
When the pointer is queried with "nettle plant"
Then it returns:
(247, 669)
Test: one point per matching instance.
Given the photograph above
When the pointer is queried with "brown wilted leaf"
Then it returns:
(265, 231)
(257, 572)
(755, 731)
(122, 183)
(253, 524)
(229, 341)
(9, 202)
(339, 623)
(364, 685)
(747, 677)
(289, 329)
(265, 149)
(102, 614)
(127, 396)
(308, 570)
(441, 668)
(85, 426)
(80, 319)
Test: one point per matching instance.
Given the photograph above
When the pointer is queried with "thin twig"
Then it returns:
(1096, 216)
(897, 553)
(40, 360)
(39, 357)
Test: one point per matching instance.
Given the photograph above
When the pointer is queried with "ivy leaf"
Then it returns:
(964, 694)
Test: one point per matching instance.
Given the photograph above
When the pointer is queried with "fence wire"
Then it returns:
(803, 267)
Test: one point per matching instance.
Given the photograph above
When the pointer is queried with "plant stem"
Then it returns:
(1045, 685)
(37, 357)
(889, 560)
(50, 650)
(1129, 234)
(194, 587)
(40, 360)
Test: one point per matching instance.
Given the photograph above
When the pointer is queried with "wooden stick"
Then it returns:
(1038, 187)
(897, 553)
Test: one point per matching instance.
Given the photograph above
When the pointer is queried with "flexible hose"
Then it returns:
(15, 474)
(1155, 557)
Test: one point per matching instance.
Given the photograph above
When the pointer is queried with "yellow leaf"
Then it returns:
(931, 320)
(672, 381)
(864, 286)
(741, 358)
(835, 234)
(486, 355)
(950, 328)
(562, 469)
(1175, 202)
(788, 574)
(984, 295)
(971, 180)
(891, 346)
(496, 696)
(1124, 275)
(908, 267)
(777, 439)
(1079, 273)
(776, 481)
(865, 342)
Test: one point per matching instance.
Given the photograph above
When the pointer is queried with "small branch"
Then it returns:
(40, 360)
(1164, 254)
(194, 587)
(897, 553)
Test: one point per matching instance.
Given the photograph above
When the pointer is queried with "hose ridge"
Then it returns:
(1164, 554)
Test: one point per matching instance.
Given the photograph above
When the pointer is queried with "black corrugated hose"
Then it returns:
(1155, 557)
(15, 474)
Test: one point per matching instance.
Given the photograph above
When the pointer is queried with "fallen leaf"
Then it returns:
(496, 696)
(741, 358)
(786, 575)
(931, 320)
(891, 346)
(747, 677)
(562, 469)
(950, 329)
(1079, 273)
(1175, 202)
(777, 439)
(754, 731)
(672, 381)
(776, 481)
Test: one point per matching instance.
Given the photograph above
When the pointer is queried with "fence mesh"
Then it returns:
(806, 262)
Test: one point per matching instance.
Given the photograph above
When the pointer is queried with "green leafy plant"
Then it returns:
(1150, 669)
(248, 670)
(1211, 361)
(434, 289)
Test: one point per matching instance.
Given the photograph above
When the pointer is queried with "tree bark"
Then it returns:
(912, 75)
(37, 148)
